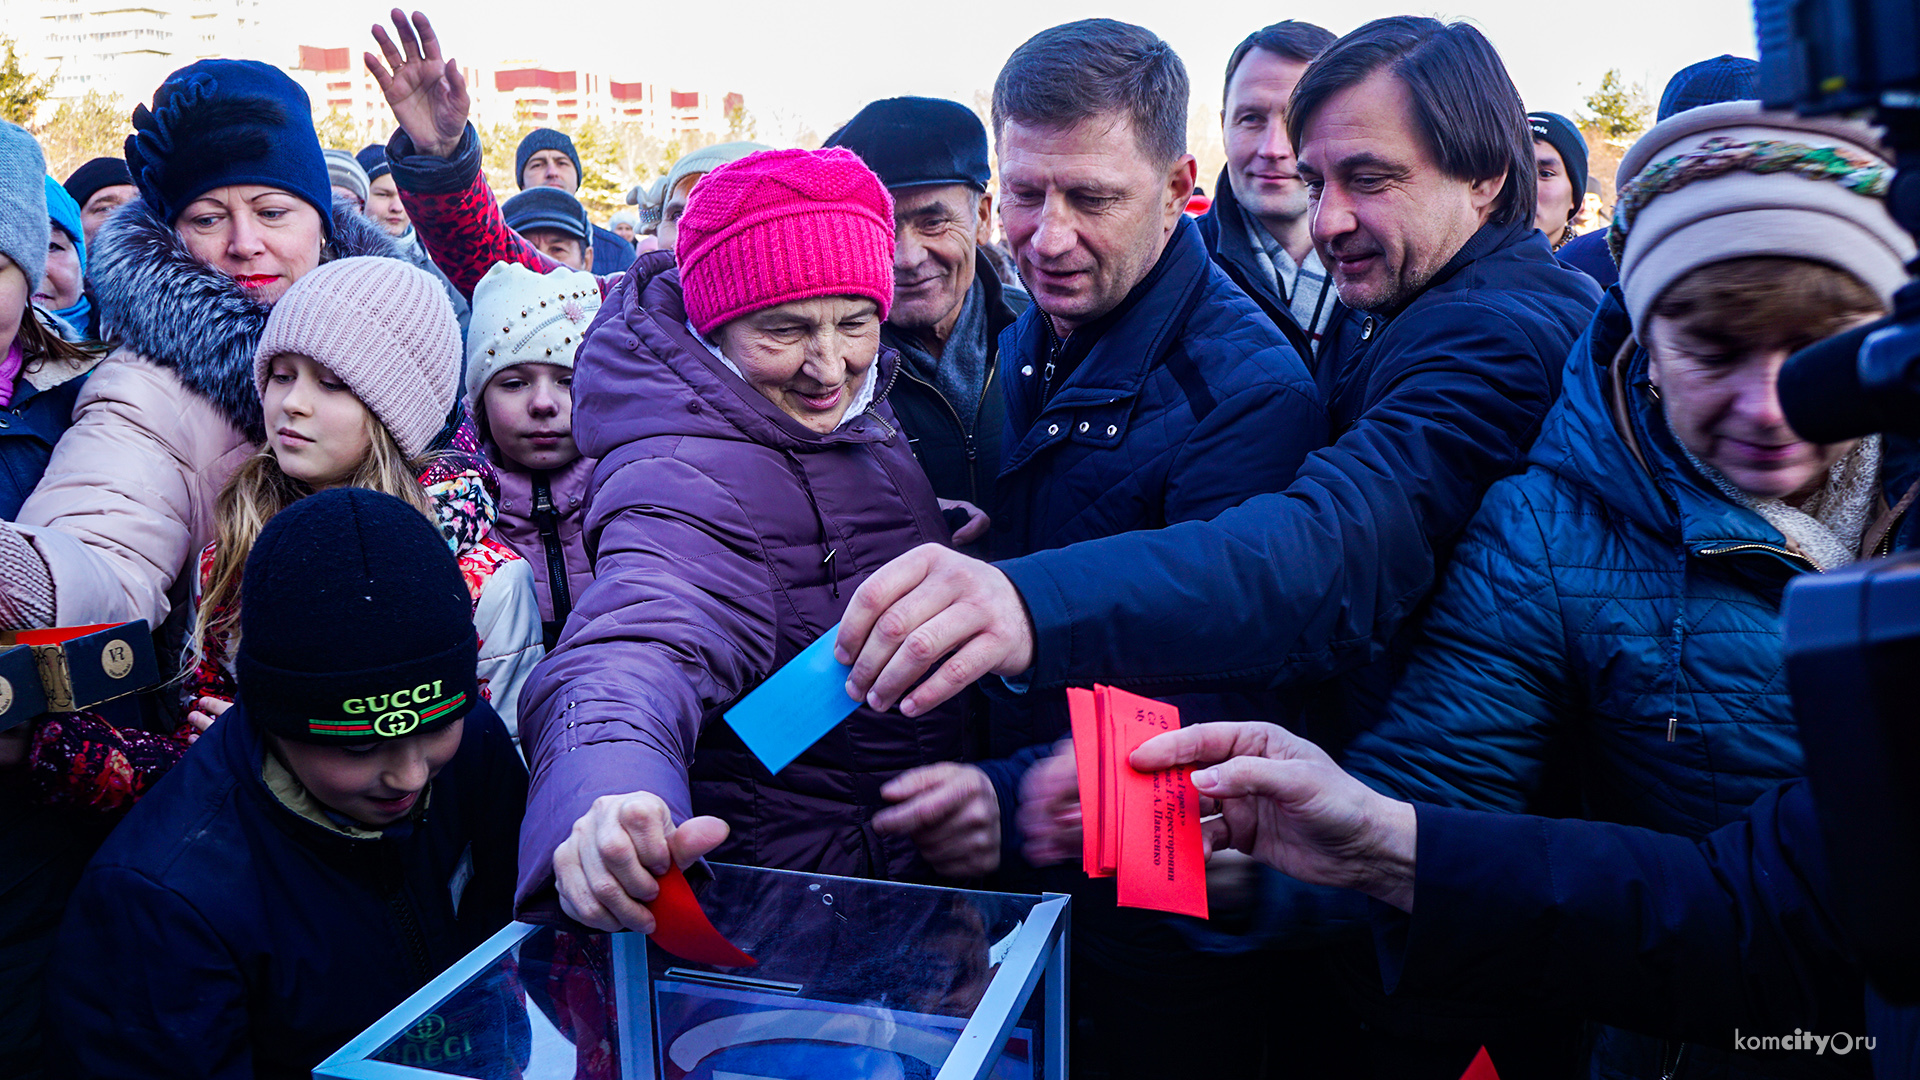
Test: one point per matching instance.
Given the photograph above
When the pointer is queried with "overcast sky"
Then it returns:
(816, 62)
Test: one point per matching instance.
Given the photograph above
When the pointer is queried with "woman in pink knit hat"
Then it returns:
(751, 475)
(357, 370)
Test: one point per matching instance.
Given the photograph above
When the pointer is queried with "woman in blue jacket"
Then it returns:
(1606, 642)
(341, 835)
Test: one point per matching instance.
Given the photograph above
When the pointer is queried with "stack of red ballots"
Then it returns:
(1142, 828)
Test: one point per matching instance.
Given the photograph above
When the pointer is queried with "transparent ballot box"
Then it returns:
(856, 979)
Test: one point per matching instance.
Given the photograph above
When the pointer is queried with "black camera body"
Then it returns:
(1853, 636)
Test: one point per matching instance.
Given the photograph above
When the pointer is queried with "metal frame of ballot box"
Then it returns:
(1037, 947)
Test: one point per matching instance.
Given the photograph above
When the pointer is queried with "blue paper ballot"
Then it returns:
(801, 702)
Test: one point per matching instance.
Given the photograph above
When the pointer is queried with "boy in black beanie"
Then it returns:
(339, 837)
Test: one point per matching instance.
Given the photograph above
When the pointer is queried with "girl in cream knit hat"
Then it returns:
(358, 371)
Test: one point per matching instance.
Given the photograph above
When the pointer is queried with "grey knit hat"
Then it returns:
(24, 225)
(343, 170)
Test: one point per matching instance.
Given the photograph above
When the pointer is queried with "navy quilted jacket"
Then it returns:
(1427, 405)
(1606, 630)
(1191, 402)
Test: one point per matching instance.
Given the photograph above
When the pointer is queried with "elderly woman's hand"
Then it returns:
(950, 812)
(428, 94)
(606, 870)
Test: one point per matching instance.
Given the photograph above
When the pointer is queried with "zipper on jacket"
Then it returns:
(1736, 547)
(547, 519)
(415, 938)
(967, 438)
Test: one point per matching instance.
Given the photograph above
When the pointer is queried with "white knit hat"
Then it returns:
(1732, 181)
(522, 317)
(386, 329)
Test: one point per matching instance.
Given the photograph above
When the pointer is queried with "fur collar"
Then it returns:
(160, 302)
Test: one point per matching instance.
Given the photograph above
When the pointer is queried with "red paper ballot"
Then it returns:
(1143, 828)
(1088, 760)
(1160, 862)
(681, 928)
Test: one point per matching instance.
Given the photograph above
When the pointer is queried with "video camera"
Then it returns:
(1853, 636)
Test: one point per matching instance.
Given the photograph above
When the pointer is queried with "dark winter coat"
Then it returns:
(1618, 618)
(39, 412)
(219, 933)
(519, 525)
(1588, 254)
(611, 254)
(958, 443)
(1662, 934)
(728, 537)
(1428, 406)
(1185, 401)
(1227, 242)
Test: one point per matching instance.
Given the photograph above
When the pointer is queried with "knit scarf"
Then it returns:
(960, 371)
(1827, 527)
(16, 359)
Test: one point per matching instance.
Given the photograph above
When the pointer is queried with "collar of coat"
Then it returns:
(160, 302)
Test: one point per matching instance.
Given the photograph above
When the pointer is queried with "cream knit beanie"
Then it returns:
(386, 329)
(522, 317)
(1732, 181)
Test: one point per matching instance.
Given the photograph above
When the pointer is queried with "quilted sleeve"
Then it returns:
(1359, 535)
(1473, 720)
(678, 621)
(449, 201)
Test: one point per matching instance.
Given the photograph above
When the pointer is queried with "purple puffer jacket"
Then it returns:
(516, 526)
(727, 537)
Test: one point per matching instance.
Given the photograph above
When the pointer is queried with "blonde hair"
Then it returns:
(257, 491)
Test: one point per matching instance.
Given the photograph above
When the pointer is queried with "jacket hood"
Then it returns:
(1584, 440)
(641, 373)
(159, 301)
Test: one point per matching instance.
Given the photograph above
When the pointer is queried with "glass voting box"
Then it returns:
(855, 978)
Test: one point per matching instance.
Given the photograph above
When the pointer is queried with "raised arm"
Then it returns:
(436, 158)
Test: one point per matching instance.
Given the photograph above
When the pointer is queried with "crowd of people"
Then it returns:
(459, 524)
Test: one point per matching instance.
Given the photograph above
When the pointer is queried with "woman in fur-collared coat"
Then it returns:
(235, 206)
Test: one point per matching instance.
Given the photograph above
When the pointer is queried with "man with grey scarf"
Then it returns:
(948, 304)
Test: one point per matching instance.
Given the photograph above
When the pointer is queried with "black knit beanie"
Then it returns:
(1560, 133)
(355, 623)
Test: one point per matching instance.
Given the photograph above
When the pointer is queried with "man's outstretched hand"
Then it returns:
(428, 94)
(930, 603)
(1282, 800)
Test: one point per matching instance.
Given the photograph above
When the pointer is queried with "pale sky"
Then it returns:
(813, 64)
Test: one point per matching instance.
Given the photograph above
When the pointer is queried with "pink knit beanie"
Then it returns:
(784, 225)
(386, 329)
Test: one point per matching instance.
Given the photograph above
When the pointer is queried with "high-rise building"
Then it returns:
(126, 47)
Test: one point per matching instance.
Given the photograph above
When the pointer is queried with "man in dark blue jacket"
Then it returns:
(1733, 940)
(1142, 388)
(1455, 324)
(1259, 228)
(339, 837)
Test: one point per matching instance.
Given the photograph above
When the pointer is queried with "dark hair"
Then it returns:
(1464, 102)
(1077, 70)
(1290, 40)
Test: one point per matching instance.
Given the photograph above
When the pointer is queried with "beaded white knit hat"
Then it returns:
(523, 317)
